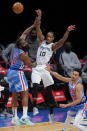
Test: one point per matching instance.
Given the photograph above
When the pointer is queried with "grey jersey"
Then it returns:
(7, 53)
(44, 53)
(33, 47)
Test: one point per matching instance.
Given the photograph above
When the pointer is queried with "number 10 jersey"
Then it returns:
(44, 53)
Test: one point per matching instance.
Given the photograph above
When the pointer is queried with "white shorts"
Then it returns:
(39, 74)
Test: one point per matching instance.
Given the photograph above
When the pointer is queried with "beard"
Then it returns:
(33, 37)
(25, 48)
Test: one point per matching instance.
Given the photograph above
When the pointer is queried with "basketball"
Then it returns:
(18, 8)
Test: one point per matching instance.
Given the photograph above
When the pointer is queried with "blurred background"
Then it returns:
(57, 16)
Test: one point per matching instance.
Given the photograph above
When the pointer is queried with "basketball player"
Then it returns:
(17, 80)
(39, 73)
(78, 106)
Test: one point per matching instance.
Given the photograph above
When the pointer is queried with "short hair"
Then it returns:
(51, 32)
(78, 70)
(18, 42)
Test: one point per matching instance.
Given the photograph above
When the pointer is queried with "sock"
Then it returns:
(51, 110)
(34, 103)
(14, 111)
(25, 110)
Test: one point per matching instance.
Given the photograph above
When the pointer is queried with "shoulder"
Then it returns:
(73, 53)
(79, 86)
(21, 51)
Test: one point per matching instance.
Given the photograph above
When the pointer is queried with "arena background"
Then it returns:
(57, 15)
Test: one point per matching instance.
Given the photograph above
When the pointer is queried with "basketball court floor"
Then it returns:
(41, 122)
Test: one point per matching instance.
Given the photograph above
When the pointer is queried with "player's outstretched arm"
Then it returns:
(58, 44)
(27, 31)
(38, 22)
(58, 76)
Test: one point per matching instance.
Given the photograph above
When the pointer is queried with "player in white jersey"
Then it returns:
(78, 105)
(44, 54)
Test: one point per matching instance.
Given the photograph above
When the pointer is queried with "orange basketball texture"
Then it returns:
(18, 7)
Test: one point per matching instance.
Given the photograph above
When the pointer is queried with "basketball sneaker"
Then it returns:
(35, 111)
(16, 121)
(26, 121)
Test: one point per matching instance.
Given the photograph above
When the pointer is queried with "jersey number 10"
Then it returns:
(42, 53)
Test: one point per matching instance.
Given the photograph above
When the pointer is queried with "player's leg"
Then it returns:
(15, 119)
(34, 96)
(68, 120)
(48, 83)
(24, 91)
(12, 77)
(79, 117)
(35, 77)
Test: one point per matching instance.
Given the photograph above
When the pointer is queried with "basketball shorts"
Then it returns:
(17, 81)
(39, 74)
(77, 108)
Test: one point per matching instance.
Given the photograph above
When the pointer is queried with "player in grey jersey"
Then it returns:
(44, 53)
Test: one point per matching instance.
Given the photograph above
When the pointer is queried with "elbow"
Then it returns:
(29, 63)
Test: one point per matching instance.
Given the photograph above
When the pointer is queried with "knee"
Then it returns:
(25, 94)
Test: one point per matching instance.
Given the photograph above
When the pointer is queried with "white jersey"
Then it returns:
(44, 53)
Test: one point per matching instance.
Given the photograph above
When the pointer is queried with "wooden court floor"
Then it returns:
(39, 127)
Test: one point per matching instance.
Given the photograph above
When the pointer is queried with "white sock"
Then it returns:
(25, 110)
(14, 110)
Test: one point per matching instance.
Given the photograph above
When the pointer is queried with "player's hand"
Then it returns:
(71, 27)
(49, 67)
(63, 105)
(34, 64)
(39, 12)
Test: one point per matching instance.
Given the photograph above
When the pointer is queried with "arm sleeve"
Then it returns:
(6, 52)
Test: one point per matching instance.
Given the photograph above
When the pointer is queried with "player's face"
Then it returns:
(23, 43)
(49, 37)
(75, 76)
(33, 34)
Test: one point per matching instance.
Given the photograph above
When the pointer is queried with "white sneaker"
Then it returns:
(35, 111)
(51, 119)
(15, 121)
(26, 121)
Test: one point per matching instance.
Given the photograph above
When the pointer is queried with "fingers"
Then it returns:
(39, 12)
(71, 27)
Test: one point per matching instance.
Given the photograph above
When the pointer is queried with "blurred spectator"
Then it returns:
(84, 69)
(85, 57)
(1, 48)
(68, 60)
(84, 78)
(33, 43)
(4, 92)
(7, 53)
